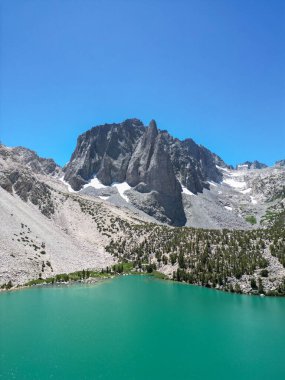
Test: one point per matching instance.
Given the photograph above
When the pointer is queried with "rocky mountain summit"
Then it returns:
(175, 182)
(152, 163)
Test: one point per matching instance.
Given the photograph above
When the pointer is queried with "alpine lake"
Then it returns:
(139, 327)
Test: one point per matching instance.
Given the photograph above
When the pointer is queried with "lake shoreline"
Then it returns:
(90, 281)
(101, 278)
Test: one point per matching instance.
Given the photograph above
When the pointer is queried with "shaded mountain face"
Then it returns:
(193, 164)
(151, 161)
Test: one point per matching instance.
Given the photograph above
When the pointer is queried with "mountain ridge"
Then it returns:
(122, 152)
(176, 182)
(47, 228)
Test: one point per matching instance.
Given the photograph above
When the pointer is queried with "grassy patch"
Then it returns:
(251, 219)
(123, 267)
(74, 276)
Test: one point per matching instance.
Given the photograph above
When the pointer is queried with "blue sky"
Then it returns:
(212, 70)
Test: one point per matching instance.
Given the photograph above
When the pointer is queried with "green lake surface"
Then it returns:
(138, 327)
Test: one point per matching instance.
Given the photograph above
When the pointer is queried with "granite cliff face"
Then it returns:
(151, 172)
(151, 161)
(105, 151)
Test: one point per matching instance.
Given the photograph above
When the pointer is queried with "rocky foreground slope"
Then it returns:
(113, 201)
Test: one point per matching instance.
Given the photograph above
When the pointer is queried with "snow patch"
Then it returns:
(235, 184)
(237, 173)
(186, 191)
(69, 188)
(224, 169)
(242, 167)
(122, 187)
(104, 197)
(212, 183)
(246, 191)
(228, 208)
(95, 183)
(253, 200)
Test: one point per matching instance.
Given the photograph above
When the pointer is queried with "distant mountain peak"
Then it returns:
(251, 165)
(280, 163)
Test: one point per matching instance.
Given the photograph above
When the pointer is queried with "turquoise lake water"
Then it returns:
(138, 327)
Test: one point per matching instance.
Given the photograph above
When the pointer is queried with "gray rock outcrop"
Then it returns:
(20, 173)
(151, 172)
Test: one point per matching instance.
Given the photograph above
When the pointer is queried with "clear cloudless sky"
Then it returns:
(212, 70)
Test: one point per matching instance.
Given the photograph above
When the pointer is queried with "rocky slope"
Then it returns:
(33, 246)
(233, 260)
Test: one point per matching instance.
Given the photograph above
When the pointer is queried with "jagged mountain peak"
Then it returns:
(147, 159)
(153, 126)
